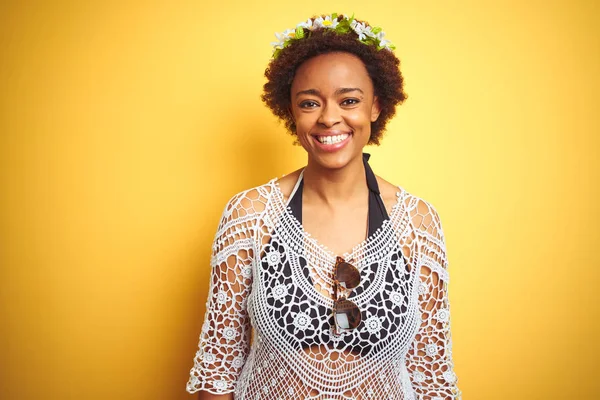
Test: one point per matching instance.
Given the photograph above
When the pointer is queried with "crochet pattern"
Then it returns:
(271, 278)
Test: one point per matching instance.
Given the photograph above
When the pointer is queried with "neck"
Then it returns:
(335, 186)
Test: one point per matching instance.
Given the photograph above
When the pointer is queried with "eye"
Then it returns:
(350, 102)
(308, 104)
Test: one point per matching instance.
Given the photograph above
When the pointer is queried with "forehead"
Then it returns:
(331, 71)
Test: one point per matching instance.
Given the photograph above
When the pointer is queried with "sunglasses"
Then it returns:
(345, 313)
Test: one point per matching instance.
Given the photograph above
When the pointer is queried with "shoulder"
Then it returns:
(287, 182)
(389, 193)
(423, 215)
(250, 202)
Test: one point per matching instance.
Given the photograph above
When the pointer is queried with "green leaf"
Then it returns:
(376, 30)
(343, 26)
(299, 32)
(351, 18)
(370, 40)
(334, 16)
(342, 29)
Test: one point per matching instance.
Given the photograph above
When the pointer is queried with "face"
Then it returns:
(333, 105)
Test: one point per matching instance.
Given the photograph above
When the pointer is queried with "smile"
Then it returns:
(332, 139)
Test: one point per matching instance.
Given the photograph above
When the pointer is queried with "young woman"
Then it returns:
(340, 276)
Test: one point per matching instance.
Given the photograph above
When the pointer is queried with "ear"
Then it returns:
(375, 109)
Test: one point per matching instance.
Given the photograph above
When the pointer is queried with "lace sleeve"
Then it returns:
(429, 360)
(225, 338)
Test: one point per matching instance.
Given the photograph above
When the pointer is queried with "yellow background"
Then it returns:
(125, 127)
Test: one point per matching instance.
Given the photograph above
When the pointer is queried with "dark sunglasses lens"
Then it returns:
(347, 314)
(347, 275)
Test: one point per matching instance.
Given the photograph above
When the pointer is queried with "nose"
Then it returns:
(330, 115)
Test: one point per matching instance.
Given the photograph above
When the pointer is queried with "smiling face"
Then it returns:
(333, 105)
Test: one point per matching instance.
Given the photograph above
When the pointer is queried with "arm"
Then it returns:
(429, 360)
(225, 339)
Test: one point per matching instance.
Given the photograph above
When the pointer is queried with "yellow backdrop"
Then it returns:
(125, 127)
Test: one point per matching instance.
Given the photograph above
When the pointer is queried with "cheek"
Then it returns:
(305, 122)
(359, 119)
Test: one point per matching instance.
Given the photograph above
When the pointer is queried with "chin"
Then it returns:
(335, 161)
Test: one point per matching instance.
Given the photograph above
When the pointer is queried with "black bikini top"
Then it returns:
(377, 211)
(359, 341)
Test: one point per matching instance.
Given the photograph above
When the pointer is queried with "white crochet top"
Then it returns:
(267, 327)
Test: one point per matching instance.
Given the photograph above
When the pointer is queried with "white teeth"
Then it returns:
(332, 139)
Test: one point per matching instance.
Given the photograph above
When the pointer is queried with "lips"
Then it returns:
(332, 141)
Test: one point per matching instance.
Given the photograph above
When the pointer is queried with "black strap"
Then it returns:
(377, 211)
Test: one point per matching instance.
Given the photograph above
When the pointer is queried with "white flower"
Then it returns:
(370, 392)
(291, 391)
(307, 25)
(419, 377)
(422, 289)
(280, 41)
(208, 358)
(283, 37)
(247, 272)
(383, 42)
(357, 27)
(220, 384)
(373, 324)
(368, 31)
(302, 321)
(273, 258)
(220, 256)
(230, 333)
(222, 297)
(396, 298)
(237, 362)
(443, 315)
(318, 22)
(362, 30)
(289, 33)
(266, 389)
(193, 381)
(279, 292)
(431, 349)
(449, 377)
(329, 22)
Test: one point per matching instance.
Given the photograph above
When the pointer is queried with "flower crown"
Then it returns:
(340, 25)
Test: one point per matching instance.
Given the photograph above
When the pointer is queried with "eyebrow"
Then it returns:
(337, 92)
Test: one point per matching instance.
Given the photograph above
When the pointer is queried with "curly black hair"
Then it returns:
(382, 67)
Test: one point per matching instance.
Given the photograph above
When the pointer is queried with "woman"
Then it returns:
(340, 276)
